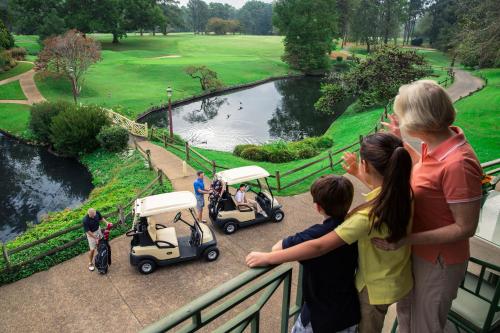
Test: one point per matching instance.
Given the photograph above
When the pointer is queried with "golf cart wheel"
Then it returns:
(211, 254)
(147, 266)
(229, 228)
(278, 215)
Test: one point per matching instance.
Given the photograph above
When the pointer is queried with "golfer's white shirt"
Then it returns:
(240, 197)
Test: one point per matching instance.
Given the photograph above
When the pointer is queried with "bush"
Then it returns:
(18, 53)
(41, 118)
(340, 59)
(320, 142)
(6, 39)
(6, 61)
(239, 149)
(417, 41)
(113, 138)
(255, 153)
(281, 156)
(74, 130)
(306, 151)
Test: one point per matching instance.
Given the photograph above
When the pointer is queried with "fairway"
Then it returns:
(135, 73)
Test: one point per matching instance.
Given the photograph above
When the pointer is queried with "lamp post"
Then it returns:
(169, 94)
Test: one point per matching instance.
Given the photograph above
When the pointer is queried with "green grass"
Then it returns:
(132, 76)
(14, 119)
(12, 90)
(20, 68)
(117, 179)
(478, 115)
(29, 42)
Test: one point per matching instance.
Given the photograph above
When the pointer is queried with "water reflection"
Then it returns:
(35, 182)
(283, 109)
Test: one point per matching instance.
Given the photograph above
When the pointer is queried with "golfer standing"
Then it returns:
(199, 191)
(93, 232)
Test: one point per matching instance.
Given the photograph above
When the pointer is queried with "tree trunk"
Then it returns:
(367, 45)
(115, 38)
(142, 32)
(74, 89)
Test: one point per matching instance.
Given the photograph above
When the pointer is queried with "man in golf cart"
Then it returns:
(241, 200)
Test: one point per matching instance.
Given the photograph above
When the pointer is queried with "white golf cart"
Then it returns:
(154, 244)
(226, 214)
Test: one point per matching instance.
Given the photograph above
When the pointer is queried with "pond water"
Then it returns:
(35, 182)
(282, 109)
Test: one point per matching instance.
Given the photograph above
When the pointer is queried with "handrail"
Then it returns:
(268, 284)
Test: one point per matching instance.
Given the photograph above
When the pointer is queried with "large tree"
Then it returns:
(69, 55)
(38, 17)
(198, 13)
(173, 16)
(366, 11)
(413, 10)
(256, 18)
(391, 16)
(221, 10)
(309, 27)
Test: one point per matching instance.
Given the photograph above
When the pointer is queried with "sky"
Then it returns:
(235, 3)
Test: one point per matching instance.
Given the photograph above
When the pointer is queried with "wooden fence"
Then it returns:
(119, 213)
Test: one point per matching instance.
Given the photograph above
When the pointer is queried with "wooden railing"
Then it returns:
(120, 213)
(133, 127)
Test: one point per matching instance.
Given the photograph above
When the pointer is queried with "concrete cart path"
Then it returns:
(69, 298)
(28, 85)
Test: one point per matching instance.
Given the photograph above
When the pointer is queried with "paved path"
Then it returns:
(69, 298)
(28, 85)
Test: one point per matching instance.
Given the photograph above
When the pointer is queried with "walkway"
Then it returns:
(69, 298)
(28, 85)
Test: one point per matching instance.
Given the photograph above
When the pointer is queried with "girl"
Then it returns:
(382, 277)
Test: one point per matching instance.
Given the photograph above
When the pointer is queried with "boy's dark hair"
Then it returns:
(199, 173)
(242, 185)
(334, 194)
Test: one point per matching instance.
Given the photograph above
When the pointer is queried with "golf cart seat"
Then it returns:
(163, 234)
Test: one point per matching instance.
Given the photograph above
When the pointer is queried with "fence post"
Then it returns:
(160, 176)
(187, 151)
(331, 159)
(121, 214)
(5, 254)
(147, 129)
(278, 180)
(148, 154)
(214, 168)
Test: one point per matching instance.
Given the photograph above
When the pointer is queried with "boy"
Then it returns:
(331, 301)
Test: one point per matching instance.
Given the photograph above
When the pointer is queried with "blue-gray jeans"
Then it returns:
(299, 328)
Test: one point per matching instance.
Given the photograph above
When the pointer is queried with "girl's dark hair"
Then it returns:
(393, 206)
(334, 194)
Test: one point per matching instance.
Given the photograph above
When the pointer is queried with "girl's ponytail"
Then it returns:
(393, 206)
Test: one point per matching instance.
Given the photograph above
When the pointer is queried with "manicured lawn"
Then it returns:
(20, 68)
(29, 42)
(12, 90)
(479, 117)
(117, 178)
(132, 75)
(14, 119)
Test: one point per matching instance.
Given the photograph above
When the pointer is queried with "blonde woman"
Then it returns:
(446, 181)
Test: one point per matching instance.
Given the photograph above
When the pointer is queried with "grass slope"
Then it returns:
(12, 90)
(20, 68)
(479, 117)
(132, 75)
(14, 119)
(117, 179)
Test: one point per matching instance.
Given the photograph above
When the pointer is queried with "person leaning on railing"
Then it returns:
(446, 181)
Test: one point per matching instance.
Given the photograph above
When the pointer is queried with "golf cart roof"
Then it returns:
(163, 203)
(241, 175)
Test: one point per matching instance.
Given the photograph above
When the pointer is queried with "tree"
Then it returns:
(221, 10)
(198, 12)
(345, 12)
(38, 17)
(173, 15)
(366, 11)
(309, 27)
(69, 55)
(256, 18)
(444, 26)
(207, 77)
(218, 26)
(391, 16)
(6, 39)
(233, 26)
(414, 10)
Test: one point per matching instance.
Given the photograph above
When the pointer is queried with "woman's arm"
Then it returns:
(307, 250)
(466, 217)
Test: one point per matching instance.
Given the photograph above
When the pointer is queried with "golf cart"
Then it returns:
(154, 244)
(224, 211)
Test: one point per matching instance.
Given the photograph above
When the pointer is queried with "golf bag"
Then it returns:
(103, 257)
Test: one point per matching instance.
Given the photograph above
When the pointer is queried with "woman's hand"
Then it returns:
(257, 259)
(350, 164)
(385, 245)
(393, 126)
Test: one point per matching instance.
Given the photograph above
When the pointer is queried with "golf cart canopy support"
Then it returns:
(241, 175)
(163, 203)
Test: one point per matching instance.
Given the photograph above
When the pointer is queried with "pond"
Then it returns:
(278, 110)
(35, 182)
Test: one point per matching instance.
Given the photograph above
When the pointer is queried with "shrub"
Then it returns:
(282, 155)
(306, 151)
(41, 115)
(6, 61)
(255, 153)
(340, 59)
(18, 53)
(113, 138)
(6, 39)
(239, 149)
(74, 130)
(417, 41)
(321, 142)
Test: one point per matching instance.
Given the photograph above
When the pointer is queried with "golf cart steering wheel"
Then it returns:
(131, 233)
(177, 217)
